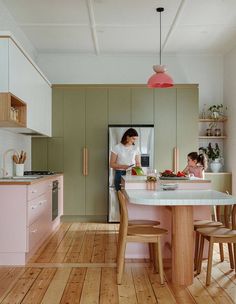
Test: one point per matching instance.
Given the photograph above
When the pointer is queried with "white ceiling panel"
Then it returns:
(139, 12)
(208, 12)
(127, 26)
(48, 11)
(129, 39)
(61, 39)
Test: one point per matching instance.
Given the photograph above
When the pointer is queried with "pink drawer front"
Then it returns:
(38, 189)
(37, 207)
(39, 230)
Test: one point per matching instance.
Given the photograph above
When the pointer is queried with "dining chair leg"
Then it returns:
(196, 249)
(160, 261)
(234, 246)
(200, 254)
(231, 257)
(120, 261)
(209, 262)
(151, 253)
(221, 252)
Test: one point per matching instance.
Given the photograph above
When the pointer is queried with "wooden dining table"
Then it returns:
(182, 234)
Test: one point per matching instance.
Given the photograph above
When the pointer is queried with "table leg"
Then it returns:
(182, 245)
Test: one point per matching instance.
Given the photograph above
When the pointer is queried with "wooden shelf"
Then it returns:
(214, 137)
(222, 119)
(12, 111)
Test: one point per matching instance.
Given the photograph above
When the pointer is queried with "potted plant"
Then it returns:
(216, 111)
(214, 156)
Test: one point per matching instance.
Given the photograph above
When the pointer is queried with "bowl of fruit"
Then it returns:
(169, 174)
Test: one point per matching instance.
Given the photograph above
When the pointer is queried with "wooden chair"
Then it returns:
(218, 235)
(148, 234)
(207, 224)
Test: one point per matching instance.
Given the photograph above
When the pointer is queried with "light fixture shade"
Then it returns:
(160, 79)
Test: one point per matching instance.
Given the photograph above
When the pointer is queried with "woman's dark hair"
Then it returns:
(130, 132)
(200, 158)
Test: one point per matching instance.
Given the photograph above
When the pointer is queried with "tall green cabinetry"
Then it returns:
(176, 127)
(81, 115)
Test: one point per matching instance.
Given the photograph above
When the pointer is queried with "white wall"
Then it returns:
(9, 140)
(230, 102)
(206, 70)
(7, 23)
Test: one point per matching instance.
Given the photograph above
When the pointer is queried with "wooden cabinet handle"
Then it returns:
(176, 159)
(85, 161)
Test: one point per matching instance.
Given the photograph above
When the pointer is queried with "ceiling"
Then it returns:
(126, 26)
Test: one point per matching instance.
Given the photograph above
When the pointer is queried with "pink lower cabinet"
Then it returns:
(25, 219)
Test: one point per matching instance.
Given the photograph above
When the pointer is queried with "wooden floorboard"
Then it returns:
(77, 264)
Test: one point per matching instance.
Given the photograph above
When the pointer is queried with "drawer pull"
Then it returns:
(34, 191)
(34, 207)
(42, 202)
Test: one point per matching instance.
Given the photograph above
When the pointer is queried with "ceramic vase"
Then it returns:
(216, 165)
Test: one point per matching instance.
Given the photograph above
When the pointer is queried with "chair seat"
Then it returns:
(217, 232)
(146, 231)
(143, 223)
(206, 223)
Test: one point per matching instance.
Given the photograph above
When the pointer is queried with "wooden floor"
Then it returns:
(77, 265)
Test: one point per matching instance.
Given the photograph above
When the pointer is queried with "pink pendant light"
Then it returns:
(160, 79)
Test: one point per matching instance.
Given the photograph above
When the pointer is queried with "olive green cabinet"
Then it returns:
(96, 144)
(142, 101)
(74, 142)
(165, 128)
(130, 105)
(176, 128)
(187, 124)
(119, 106)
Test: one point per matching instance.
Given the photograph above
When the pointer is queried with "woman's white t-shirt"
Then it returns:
(125, 154)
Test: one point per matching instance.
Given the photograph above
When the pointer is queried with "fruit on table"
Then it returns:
(170, 173)
(180, 174)
(151, 179)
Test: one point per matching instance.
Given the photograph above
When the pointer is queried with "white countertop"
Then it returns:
(143, 178)
(179, 197)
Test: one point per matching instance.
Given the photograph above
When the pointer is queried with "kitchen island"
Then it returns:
(182, 234)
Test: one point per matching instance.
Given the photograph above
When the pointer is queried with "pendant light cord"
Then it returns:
(160, 38)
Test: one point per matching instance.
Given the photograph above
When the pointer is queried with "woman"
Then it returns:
(124, 155)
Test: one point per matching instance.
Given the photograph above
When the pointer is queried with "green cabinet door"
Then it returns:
(165, 127)
(119, 105)
(142, 102)
(187, 123)
(96, 143)
(57, 112)
(39, 150)
(55, 154)
(74, 142)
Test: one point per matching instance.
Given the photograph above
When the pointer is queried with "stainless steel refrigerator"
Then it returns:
(145, 143)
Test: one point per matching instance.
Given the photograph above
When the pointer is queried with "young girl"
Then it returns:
(196, 165)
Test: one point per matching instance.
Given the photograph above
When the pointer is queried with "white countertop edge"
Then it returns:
(175, 198)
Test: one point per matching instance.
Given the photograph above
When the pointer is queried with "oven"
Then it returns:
(55, 186)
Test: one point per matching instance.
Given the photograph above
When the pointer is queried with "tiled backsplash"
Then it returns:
(9, 140)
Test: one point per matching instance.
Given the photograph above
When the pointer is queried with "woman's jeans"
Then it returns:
(117, 181)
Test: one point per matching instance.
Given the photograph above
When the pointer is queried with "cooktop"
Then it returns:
(40, 172)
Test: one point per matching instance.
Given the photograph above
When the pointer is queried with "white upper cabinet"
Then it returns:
(22, 78)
